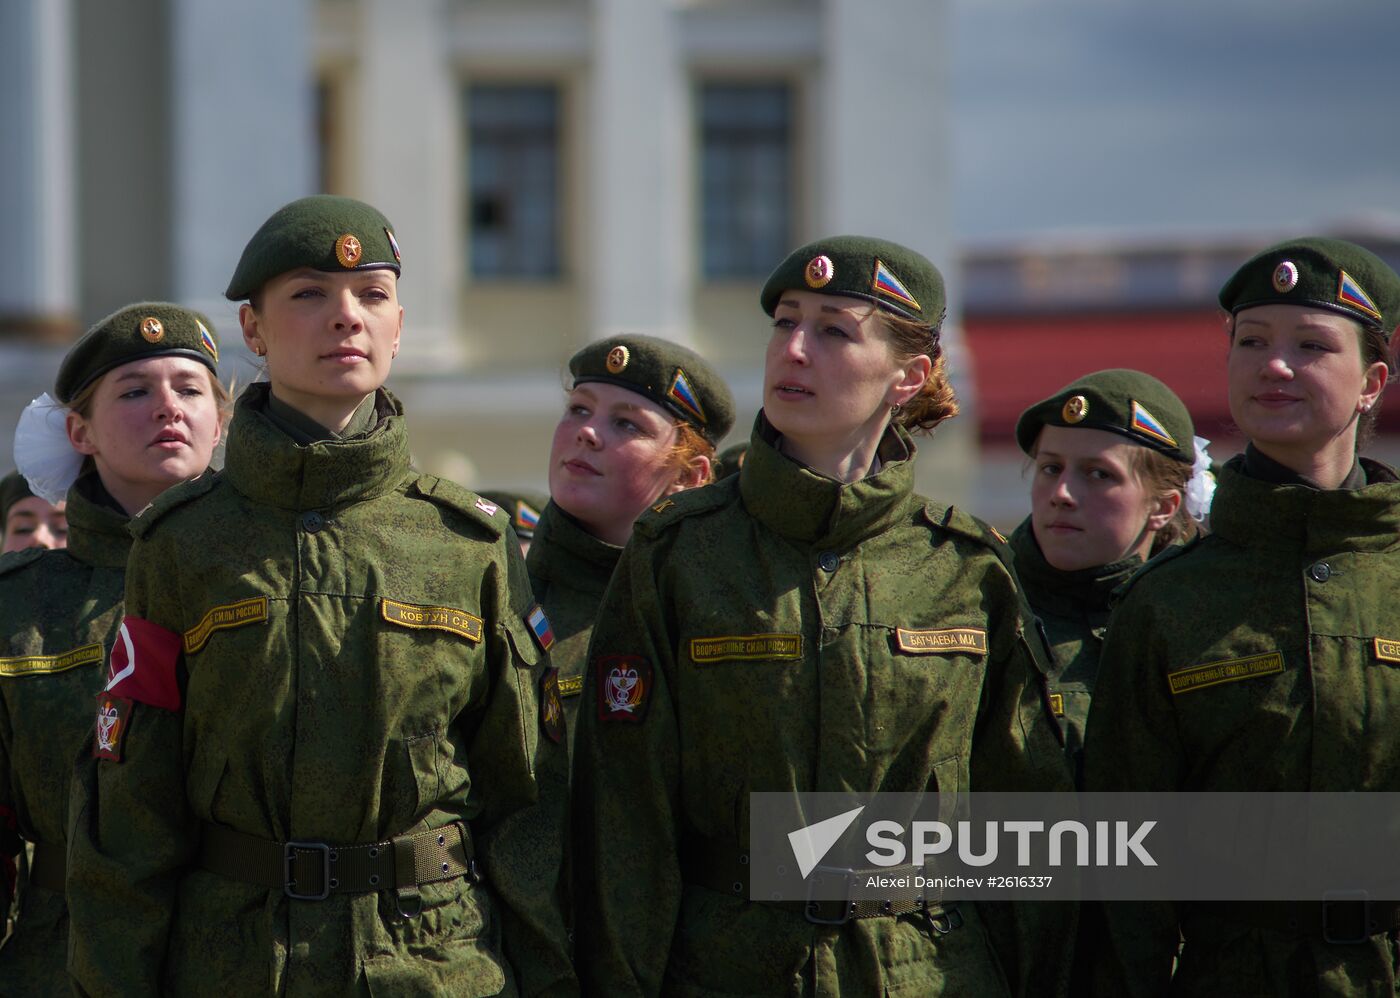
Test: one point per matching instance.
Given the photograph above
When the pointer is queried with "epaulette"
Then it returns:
(171, 498)
(674, 508)
(1156, 561)
(955, 521)
(15, 560)
(453, 496)
(952, 519)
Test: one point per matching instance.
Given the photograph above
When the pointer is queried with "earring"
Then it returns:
(894, 409)
(1365, 407)
(257, 350)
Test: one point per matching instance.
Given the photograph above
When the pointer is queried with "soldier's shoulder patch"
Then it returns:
(113, 720)
(551, 707)
(667, 512)
(15, 560)
(453, 496)
(538, 622)
(169, 500)
(624, 687)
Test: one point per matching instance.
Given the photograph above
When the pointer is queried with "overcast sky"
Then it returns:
(1195, 114)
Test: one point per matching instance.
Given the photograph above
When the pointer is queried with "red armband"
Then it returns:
(144, 663)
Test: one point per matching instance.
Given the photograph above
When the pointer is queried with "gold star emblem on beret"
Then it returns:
(1075, 409)
(152, 330)
(618, 357)
(348, 250)
(820, 271)
(1285, 277)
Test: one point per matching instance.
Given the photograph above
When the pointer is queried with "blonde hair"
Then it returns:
(1163, 475)
(936, 400)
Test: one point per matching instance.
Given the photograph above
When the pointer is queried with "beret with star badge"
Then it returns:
(136, 332)
(1318, 272)
(322, 232)
(1130, 403)
(892, 276)
(674, 377)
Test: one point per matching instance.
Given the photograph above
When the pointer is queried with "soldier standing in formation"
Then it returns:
(1111, 486)
(323, 762)
(640, 424)
(1282, 679)
(139, 408)
(811, 624)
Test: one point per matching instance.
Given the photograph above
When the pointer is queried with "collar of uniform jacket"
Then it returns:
(97, 533)
(265, 464)
(562, 551)
(802, 505)
(1250, 512)
(1084, 591)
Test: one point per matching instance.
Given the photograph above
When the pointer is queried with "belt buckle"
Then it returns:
(814, 904)
(1330, 898)
(289, 857)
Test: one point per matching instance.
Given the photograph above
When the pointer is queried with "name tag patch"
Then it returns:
(45, 665)
(1386, 651)
(970, 640)
(1198, 677)
(746, 647)
(221, 618)
(436, 618)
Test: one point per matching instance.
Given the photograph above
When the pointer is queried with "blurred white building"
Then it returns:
(556, 171)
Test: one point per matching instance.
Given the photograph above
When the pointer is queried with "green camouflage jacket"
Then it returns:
(352, 662)
(1073, 607)
(569, 571)
(59, 611)
(768, 613)
(1255, 659)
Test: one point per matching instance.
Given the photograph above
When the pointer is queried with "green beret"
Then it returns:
(892, 276)
(731, 459)
(1129, 403)
(14, 487)
(322, 232)
(523, 506)
(670, 375)
(1320, 273)
(136, 332)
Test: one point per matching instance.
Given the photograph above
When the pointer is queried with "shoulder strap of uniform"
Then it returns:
(15, 560)
(692, 502)
(452, 496)
(955, 521)
(171, 498)
(1156, 561)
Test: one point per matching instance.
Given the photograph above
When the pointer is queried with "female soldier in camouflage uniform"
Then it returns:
(143, 412)
(641, 423)
(1280, 679)
(809, 625)
(1113, 455)
(323, 763)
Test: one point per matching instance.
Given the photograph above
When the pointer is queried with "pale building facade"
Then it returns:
(556, 171)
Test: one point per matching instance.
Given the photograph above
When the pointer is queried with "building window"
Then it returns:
(746, 184)
(513, 180)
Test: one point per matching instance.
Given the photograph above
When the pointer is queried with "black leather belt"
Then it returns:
(312, 871)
